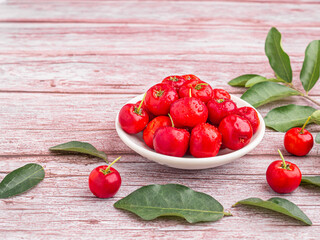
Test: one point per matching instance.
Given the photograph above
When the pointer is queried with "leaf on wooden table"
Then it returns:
(152, 201)
(286, 117)
(79, 147)
(314, 180)
(315, 117)
(259, 79)
(310, 71)
(279, 205)
(255, 80)
(21, 180)
(242, 80)
(318, 138)
(278, 59)
(265, 92)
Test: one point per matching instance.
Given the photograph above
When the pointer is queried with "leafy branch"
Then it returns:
(262, 90)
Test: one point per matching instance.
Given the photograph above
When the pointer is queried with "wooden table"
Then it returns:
(67, 67)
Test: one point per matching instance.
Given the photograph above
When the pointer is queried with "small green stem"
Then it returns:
(108, 168)
(304, 125)
(159, 93)
(305, 95)
(199, 86)
(174, 79)
(227, 214)
(172, 124)
(144, 96)
(283, 161)
(310, 99)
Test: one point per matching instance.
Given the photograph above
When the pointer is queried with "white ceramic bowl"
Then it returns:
(136, 143)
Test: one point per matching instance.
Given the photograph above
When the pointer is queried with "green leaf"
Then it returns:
(79, 147)
(279, 205)
(21, 180)
(315, 117)
(255, 80)
(152, 201)
(310, 71)
(265, 92)
(259, 79)
(278, 59)
(286, 117)
(318, 138)
(314, 180)
(241, 80)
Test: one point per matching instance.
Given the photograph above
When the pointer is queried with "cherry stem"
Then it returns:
(159, 93)
(108, 168)
(227, 214)
(304, 125)
(305, 95)
(172, 124)
(174, 79)
(199, 86)
(140, 105)
(283, 161)
(190, 94)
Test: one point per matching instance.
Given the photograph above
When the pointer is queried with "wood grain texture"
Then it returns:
(67, 67)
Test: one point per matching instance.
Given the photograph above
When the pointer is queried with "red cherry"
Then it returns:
(205, 141)
(199, 89)
(236, 131)
(174, 81)
(220, 94)
(219, 109)
(188, 112)
(159, 98)
(171, 141)
(283, 177)
(153, 125)
(251, 115)
(190, 77)
(298, 141)
(133, 119)
(104, 181)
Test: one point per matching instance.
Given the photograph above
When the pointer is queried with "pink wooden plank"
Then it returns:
(128, 75)
(70, 40)
(216, 13)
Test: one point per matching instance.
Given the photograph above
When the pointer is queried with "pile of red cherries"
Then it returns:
(185, 113)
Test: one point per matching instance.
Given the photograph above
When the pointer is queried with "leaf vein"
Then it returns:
(179, 209)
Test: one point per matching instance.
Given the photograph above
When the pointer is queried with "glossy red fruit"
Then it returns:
(251, 115)
(171, 141)
(188, 112)
(205, 141)
(174, 81)
(199, 89)
(132, 119)
(283, 177)
(190, 77)
(220, 94)
(219, 109)
(104, 181)
(159, 98)
(236, 131)
(153, 125)
(298, 142)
